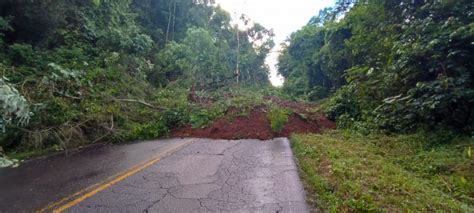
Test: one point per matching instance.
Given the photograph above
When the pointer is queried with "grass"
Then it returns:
(344, 171)
(239, 98)
(278, 117)
(24, 155)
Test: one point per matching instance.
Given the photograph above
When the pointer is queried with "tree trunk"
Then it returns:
(237, 71)
(169, 22)
(174, 18)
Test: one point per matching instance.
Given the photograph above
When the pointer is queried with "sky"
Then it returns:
(283, 16)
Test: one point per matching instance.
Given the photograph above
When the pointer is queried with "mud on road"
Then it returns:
(256, 125)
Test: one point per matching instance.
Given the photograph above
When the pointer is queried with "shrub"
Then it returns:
(14, 106)
(344, 104)
(23, 54)
(201, 118)
(176, 117)
(150, 130)
(278, 117)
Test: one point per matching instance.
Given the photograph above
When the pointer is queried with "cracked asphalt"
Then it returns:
(209, 176)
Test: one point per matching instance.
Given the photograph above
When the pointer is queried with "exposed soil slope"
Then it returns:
(256, 125)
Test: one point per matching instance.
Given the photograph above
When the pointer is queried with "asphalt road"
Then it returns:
(175, 175)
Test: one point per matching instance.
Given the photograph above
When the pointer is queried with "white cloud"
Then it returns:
(284, 17)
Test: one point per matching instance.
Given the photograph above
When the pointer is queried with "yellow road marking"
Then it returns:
(108, 183)
(50, 206)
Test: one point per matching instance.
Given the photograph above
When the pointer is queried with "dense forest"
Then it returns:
(396, 66)
(397, 77)
(76, 72)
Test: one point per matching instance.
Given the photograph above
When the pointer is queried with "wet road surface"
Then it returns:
(37, 183)
(191, 175)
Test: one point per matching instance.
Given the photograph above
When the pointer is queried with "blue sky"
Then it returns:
(284, 17)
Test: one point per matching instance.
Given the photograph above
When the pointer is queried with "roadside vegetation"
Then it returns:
(278, 117)
(79, 72)
(396, 66)
(346, 171)
(396, 77)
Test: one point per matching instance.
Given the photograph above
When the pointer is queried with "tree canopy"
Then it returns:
(394, 65)
(71, 66)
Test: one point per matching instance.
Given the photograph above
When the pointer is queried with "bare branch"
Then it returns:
(140, 102)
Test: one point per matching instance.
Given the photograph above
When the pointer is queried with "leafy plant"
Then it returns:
(14, 106)
(109, 71)
(201, 118)
(145, 131)
(391, 66)
(278, 117)
(23, 54)
(406, 172)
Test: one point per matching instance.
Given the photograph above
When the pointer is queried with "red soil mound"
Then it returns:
(257, 126)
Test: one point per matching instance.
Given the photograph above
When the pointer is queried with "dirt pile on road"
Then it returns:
(256, 125)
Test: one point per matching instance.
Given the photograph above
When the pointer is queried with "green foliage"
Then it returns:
(345, 171)
(204, 116)
(343, 102)
(96, 2)
(200, 119)
(244, 98)
(171, 62)
(176, 117)
(22, 54)
(143, 131)
(404, 65)
(62, 74)
(120, 70)
(278, 117)
(202, 54)
(232, 102)
(15, 109)
(4, 25)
